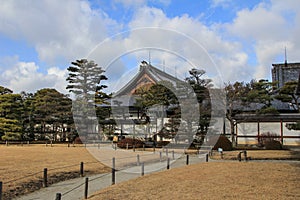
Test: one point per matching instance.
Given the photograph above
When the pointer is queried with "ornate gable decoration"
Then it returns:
(144, 81)
(147, 76)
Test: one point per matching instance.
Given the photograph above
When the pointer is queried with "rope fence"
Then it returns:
(165, 155)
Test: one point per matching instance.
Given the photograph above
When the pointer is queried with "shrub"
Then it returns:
(273, 145)
(268, 110)
(162, 143)
(270, 141)
(222, 142)
(130, 141)
(267, 137)
(77, 140)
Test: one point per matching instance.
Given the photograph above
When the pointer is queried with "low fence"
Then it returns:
(85, 186)
(41, 181)
(164, 157)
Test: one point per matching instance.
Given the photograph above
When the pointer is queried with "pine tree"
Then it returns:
(51, 108)
(11, 109)
(84, 82)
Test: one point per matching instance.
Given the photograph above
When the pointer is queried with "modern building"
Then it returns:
(285, 72)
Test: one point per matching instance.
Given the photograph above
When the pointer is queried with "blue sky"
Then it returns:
(39, 39)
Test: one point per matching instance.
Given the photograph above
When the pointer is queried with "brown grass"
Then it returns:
(218, 180)
(214, 180)
(260, 155)
(19, 164)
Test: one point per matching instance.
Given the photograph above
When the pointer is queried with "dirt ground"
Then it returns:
(22, 167)
(213, 180)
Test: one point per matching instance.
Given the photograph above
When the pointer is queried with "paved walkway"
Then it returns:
(74, 189)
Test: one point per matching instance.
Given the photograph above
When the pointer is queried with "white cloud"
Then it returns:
(24, 76)
(258, 23)
(229, 57)
(269, 28)
(138, 3)
(60, 75)
(222, 3)
(131, 3)
(69, 30)
(59, 30)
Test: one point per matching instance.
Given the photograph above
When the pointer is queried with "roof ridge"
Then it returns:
(153, 72)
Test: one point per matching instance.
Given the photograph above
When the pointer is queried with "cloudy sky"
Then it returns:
(233, 40)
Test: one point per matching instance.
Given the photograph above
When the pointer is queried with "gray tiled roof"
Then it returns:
(155, 74)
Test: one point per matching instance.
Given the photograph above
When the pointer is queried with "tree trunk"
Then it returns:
(232, 132)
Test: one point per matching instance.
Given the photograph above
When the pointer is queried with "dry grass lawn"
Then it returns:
(21, 171)
(213, 180)
(260, 155)
(19, 164)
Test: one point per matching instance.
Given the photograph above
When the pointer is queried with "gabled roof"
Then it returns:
(147, 74)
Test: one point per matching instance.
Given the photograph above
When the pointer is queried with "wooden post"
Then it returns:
(239, 157)
(86, 188)
(168, 163)
(58, 196)
(245, 155)
(187, 159)
(113, 171)
(160, 156)
(236, 132)
(138, 160)
(45, 179)
(81, 169)
(258, 132)
(281, 132)
(173, 155)
(143, 169)
(206, 157)
(1, 184)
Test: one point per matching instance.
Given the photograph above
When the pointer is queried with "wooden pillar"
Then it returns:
(258, 132)
(236, 134)
(224, 126)
(281, 132)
